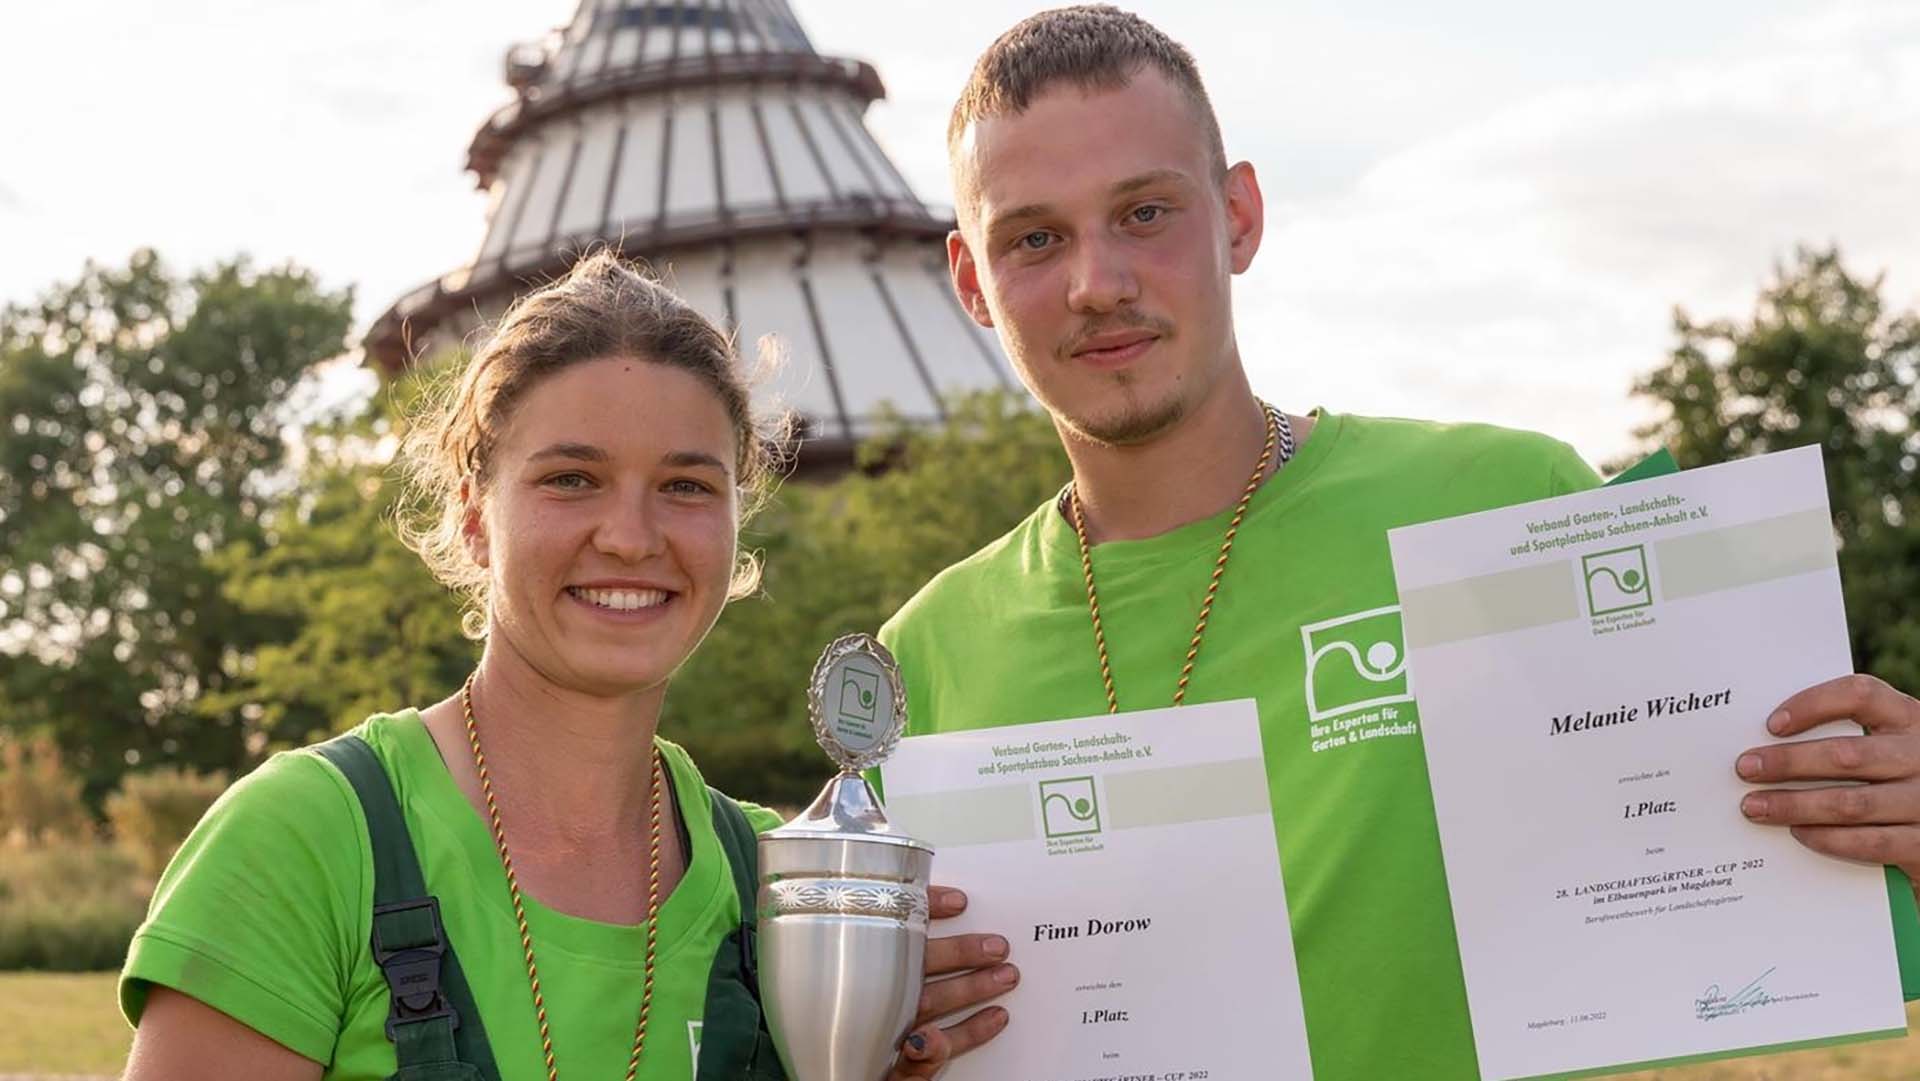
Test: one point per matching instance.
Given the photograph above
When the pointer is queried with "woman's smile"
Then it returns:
(623, 603)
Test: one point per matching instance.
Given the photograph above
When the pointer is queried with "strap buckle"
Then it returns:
(412, 970)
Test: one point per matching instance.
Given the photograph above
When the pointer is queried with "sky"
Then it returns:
(1479, 210)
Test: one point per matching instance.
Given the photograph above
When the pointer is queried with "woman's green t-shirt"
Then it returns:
(265, 914)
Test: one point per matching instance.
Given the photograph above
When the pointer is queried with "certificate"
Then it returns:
(1588, 668)
(1130, 860)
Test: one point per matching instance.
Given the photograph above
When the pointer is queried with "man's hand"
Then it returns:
(1875, 822)
(928, 1047)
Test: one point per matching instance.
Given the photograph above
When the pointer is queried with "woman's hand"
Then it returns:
(982, 957)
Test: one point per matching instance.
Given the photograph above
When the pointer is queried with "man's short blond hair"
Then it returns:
(1093, 46)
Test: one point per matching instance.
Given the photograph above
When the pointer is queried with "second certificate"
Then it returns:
(1588, 668)
(1131, 860)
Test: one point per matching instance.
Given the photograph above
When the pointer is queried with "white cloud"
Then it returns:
(1522, 269)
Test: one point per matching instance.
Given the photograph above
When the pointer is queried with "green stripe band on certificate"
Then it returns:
(1744, 555)
(968, 816)
(1127, 800)
(1178, 794)
(1490, 604)
(1688, 566)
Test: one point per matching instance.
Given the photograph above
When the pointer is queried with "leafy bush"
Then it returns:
(155, 810)
(68, 906)
(39, 798)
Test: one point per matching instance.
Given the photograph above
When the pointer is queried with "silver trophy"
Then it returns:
(843, 895)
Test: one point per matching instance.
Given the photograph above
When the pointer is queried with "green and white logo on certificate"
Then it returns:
(1069, 807)
(1617, 580)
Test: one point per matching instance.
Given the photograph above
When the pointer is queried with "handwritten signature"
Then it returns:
(1712, 1003)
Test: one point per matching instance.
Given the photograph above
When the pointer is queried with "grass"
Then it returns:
(61, 1023)
(58, 1023)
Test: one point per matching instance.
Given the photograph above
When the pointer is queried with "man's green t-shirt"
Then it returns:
(265, 914)
(1307, 623)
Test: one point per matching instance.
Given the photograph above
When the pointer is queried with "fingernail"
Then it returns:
(995, 947)
(1777, 724)
(916, 1046)
(1006, 975)
(1748, 766)
(956, 901)
(1754, 806)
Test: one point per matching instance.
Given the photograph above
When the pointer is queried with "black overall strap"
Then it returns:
(742, 846)
(431, 1016)
(734, 1044)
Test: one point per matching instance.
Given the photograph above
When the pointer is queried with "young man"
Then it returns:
(1100, 225)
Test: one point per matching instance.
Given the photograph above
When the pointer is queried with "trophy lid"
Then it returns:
(846, 810)
(858, 706)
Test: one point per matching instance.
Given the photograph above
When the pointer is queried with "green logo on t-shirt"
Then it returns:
(1355, 662)
(1617, 580)
(1069, 807)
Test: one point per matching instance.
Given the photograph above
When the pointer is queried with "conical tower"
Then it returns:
(710, 138)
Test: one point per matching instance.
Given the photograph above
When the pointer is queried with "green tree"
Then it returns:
(141, 424)
(359, 626)
(1820, 361)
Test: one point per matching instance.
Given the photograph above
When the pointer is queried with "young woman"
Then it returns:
(576, 910)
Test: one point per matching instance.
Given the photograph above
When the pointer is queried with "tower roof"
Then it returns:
(617, 48)
(710, 138)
